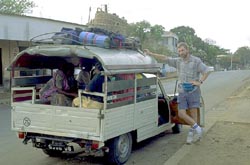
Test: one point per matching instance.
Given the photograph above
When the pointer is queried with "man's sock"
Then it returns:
(191, 129)
(197, 127)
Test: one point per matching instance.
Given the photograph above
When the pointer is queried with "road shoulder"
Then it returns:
(228, 123)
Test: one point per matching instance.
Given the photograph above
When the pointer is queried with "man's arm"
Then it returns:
(201, 80)
(203, 77)
(159, 57)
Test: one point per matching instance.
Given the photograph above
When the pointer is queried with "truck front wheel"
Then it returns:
(176, 128)
(119, 149)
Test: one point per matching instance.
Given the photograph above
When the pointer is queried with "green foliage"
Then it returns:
(243, 55)
(224, 61)
(156, 32)
(207, 52)
(185, 34)
(139, 29)
(150, 36)
(19, 7)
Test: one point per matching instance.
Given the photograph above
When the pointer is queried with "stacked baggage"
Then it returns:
(95, 37)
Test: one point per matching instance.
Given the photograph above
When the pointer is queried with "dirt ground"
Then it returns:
(227, 138)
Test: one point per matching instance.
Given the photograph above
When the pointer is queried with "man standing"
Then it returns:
(192, 72)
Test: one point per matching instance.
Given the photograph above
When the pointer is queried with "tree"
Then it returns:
(153, 40)
(156, 32)
(140, 30)
(198, 47)
(19, 7)
(243, 54)
(184, 33)
(224, 61)
(149, 36)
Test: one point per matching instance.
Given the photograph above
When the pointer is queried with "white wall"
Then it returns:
(16, 31)
(23, 28)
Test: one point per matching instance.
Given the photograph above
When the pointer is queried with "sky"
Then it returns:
(224, 21)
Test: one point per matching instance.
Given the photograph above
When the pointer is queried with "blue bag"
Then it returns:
(187, 87)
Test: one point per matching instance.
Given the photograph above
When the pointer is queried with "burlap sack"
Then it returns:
(87, 102)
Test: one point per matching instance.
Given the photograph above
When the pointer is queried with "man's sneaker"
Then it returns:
(197, 134)
(190, 137)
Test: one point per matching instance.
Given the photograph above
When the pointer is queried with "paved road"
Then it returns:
(157, 150)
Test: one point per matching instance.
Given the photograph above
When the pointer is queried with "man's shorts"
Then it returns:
(187, 100)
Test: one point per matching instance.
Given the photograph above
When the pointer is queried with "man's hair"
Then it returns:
(183, 44)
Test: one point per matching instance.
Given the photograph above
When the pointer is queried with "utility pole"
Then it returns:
(231, 61)
(89, 14)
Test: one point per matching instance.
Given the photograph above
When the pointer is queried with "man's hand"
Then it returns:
(196, 83)
(146, 51)
(158, 57)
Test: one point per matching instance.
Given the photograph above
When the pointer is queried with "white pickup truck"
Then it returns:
(109, 131)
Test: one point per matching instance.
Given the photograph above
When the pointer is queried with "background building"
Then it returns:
(15, 34)
(170, 40)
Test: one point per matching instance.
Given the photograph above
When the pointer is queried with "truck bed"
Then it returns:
(56, 120)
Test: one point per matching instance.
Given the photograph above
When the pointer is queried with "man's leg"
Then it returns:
(193, 114)
(195, 132)
(183, 115)
(193, 100)
(186, 100)
(197, 129)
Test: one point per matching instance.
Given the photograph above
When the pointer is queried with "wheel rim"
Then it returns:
(123, 145)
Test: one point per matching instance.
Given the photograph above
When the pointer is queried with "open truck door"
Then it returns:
(174, 111)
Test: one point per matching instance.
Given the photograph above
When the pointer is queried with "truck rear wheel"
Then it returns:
(119, 149)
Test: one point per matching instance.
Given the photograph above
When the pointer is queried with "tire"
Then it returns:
(176, 129)
(53, 153)
(119, 149)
